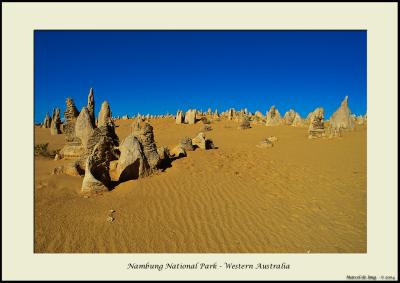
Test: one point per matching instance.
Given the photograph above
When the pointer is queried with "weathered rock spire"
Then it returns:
(70, 115)
(90, 107)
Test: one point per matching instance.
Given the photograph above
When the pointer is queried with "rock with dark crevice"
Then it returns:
(55, 127)
(47, 121)
(97, 177)
(144, 134)
(132, 163)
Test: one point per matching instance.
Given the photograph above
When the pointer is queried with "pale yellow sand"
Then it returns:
(299, 196)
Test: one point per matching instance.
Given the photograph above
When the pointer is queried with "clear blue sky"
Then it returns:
(162, 71)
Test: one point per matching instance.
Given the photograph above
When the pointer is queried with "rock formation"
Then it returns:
(47, 121)
(163, 153)
(190, 116)
(70, 117)
(97, 177)
(200, 141)
(107, 132)
(298, 121)
(186, 144)
(132, 163)
(289, 117)
(179, 118)
(53, 113)
(80, 132)
(90, 107)
(230, 113)
(273, 117)
(104, 115)
(139, 155)
(353, 118)
(308, 118)
(177, 152)
(268, 142)
(258, 115)
(342, 119)
(316, 128)
(72, 169)
(145, 136)
(265, 143)
(216, 115)
(72, 150)
(360, 120)
(83, 127)
(55, 127)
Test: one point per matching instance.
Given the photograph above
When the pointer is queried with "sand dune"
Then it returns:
(299, 196)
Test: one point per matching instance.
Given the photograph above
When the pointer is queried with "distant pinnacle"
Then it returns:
(90, 107)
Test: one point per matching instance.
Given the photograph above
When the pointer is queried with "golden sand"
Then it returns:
(299, 196)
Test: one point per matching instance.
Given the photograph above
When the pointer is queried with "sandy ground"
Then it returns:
(299, 196)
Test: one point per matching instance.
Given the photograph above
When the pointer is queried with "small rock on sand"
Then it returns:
(268, 142)
(177, 151)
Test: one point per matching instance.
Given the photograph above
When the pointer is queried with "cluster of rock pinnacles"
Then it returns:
(98, 153)
(341, 120)
(105, 162)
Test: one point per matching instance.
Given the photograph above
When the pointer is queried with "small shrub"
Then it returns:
(42, 150)
(244, 123)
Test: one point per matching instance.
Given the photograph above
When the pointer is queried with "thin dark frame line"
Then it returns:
(197, 30)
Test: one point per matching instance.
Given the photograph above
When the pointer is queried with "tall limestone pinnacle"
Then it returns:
(55, 127)
(342, 119)
(47, 121)
(70, 115)
(317, 127)
(90, 107)
(145, 135)
(273, 117)
(104, 114)
(70, 112)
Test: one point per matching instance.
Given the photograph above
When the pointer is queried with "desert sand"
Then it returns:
(300, 196)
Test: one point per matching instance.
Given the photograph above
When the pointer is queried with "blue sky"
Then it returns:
(161, 71)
